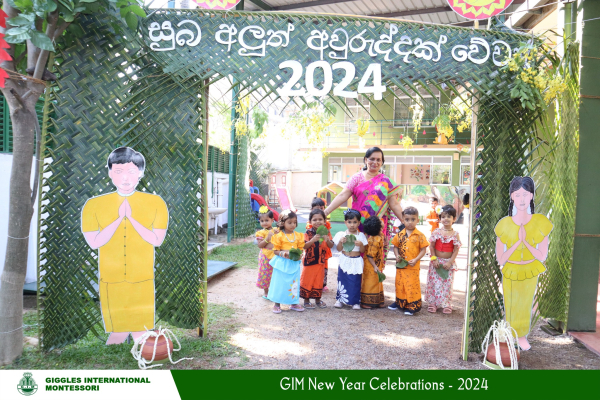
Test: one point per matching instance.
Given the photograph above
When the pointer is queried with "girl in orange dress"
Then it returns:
(371, 292)
(315, 260)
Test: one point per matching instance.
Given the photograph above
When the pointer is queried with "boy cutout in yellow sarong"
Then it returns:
(521, 249)
(125, 226)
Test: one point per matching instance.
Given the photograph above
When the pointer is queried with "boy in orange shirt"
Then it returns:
(409, 245)
(433, 218)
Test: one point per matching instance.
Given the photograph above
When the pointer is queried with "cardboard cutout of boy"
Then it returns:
(521, 249)
(125, 226)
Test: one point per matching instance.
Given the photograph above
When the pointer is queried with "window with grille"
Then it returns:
(403, 114)
(358, 112)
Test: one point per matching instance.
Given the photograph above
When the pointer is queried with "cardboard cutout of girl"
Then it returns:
(125, 226)
(521, 248)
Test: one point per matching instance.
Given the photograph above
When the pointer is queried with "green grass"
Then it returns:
(92, 353)
(245, 254)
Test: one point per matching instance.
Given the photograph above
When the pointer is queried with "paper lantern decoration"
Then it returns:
(4, 56)
(479, 9)
(217, 4)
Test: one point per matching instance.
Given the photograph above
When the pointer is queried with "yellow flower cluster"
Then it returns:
(461, 112)
(545, 82)
(363, 127)
(313, 122)
(556, 86)
(241, 108)
(417, 116)
(406, 142)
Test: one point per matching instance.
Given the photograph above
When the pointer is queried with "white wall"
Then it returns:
(5, 170)
(218, 195)
(304, 186)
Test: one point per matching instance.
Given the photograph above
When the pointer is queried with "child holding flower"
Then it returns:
(444, 248)
(409, 247)
(317, 243)
(285, 281)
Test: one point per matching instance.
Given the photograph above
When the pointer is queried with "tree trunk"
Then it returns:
(21, 97)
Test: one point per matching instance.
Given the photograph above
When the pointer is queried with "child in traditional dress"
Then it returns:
(351, 263)
(444, 248)
(263, 241)
(285, 281)
(319, 203)
(371, 292)
(315, 260)
(409, 245)
(433, 217)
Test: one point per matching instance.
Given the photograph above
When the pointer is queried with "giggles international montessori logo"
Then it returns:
(27, 385)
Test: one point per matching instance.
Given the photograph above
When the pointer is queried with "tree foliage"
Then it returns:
(31, 26)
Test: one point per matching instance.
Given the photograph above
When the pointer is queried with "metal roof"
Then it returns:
(434, 11)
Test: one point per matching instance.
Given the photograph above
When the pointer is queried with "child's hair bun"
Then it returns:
(372, 226)
(264, 210)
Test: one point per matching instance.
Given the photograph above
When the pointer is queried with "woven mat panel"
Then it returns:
(245, 218)
(505, 146)
(556, 176)
(111, 94)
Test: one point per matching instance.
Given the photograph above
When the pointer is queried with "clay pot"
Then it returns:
(491, 355)
(161, 348)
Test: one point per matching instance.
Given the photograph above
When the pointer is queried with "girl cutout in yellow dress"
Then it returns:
(521, 248)
(125, 226)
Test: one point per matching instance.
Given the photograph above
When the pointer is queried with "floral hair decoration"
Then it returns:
(263, 210)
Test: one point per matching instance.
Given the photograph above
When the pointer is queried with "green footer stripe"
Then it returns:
(467, 384)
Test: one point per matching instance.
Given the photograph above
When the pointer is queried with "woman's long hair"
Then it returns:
(517, 183)
(368, 154)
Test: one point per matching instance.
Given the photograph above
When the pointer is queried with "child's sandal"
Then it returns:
(297, 307)
(432, 309)
(276, 309)
(309, 306)
(447, 310)
(322, 304)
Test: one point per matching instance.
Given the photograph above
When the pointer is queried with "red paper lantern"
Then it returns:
(479, 9)
(4, 56)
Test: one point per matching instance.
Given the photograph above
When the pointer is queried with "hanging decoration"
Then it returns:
(4, 56)
(314, 120)
(417, 116)
(442, 125)
(217, 4)
(362, 126)
(241, 108)
(534, 71)
(479, 9)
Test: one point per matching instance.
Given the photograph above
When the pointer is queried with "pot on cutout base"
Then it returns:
(161, 348)
(492, 354)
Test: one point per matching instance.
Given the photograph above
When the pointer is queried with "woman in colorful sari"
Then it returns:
(373, 194)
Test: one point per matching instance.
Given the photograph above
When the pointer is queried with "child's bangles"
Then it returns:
(433, 258)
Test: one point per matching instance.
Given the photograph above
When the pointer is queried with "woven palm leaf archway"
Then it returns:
(146, 90)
